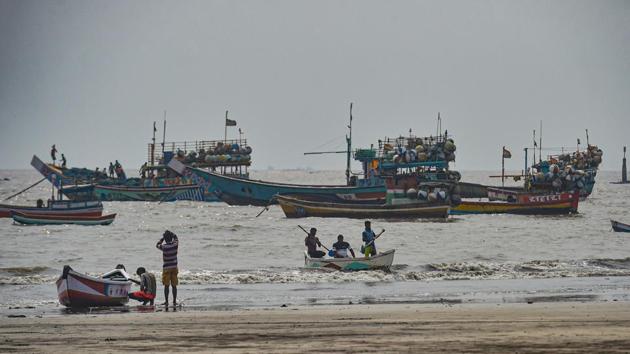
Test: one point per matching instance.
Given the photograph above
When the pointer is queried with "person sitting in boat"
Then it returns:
(311, 242)
(147, 287)
(369, 248)
(341, 248)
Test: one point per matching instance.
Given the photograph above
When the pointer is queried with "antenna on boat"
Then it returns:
(540, 144)
(349, 147)
(534, 136)
(587, 143)
(164, 134)
(153, 145)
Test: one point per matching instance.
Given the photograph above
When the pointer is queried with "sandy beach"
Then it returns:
(540, 327)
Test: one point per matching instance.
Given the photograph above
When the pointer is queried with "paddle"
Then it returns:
(266, 206)
(303, 229)
(24, 190)
(377, 236)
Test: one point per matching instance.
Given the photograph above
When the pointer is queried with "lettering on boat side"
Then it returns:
(544, 198)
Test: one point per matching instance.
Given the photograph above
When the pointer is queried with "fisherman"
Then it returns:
(53, 153)
(147, 287)
(111, 170)
(311, 242)
(369, 248)
(143, 170)
(63, 161)
(169, 268)
(341, 248)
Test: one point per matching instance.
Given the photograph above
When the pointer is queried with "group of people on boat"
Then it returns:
(53, 155)
(341, 248)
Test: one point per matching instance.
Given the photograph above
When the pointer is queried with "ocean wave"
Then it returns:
(429, 272)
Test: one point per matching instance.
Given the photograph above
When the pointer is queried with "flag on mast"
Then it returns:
(230, 122)
(507, 154)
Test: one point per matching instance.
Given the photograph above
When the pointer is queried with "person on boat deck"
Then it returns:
(111, 169)
(143, 170)
(311, 242)
(63, 161)
(168, 244)
(369, 236)
(53, 153)
(147, 287)
(341, 248)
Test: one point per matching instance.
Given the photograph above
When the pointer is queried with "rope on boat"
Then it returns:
(24, 190)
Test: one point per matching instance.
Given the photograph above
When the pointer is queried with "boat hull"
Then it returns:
(298, 208)
(620, 227)
(39, 219)
(60, 208)
(79, 290)
(555, 204)
(149, 194)
(382, 260)
(238, 191)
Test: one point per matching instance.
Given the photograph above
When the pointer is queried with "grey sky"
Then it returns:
(92, 76)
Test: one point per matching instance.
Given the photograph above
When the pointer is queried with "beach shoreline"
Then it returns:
(549, 327)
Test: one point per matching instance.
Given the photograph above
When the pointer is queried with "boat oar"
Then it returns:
(303, 229)
(24, 190)
(266, 206)
(377, 236)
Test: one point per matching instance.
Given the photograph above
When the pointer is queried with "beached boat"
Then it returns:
(239, 191)
(75, 289)
(56, 207)
(527, 204)
(300, 208)
(382, 260)
(43, 219)
(619, 226)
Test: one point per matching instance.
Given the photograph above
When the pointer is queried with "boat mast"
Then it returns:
(153, 146)
(540, 144)
(164, 134)
(349, 151)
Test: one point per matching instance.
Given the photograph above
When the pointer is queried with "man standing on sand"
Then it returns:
(168, 244)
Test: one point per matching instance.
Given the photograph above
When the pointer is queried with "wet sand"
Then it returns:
(549, 327)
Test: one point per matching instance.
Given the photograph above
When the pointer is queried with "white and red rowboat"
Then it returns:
(80, 290)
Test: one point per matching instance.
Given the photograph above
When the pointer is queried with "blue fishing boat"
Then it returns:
(240, 191)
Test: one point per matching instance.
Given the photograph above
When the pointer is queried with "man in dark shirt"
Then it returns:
(341, 248)
(311, 242)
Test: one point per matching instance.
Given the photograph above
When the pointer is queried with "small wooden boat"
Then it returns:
(619, 226)
(382, 260)
(299, 208)
(527, 204)
(43, 219)
(56, 207)
(80, 290)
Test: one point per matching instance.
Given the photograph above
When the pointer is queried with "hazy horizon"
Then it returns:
(93, 76)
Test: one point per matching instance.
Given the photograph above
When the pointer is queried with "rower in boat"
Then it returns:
(341, 248)
(369, 247)
(312, 242)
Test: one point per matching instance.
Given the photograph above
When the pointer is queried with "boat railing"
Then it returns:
(205, 153)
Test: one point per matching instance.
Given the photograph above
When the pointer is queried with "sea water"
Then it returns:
(230, 258)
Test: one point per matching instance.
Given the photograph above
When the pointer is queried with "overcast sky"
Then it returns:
(92, 76)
